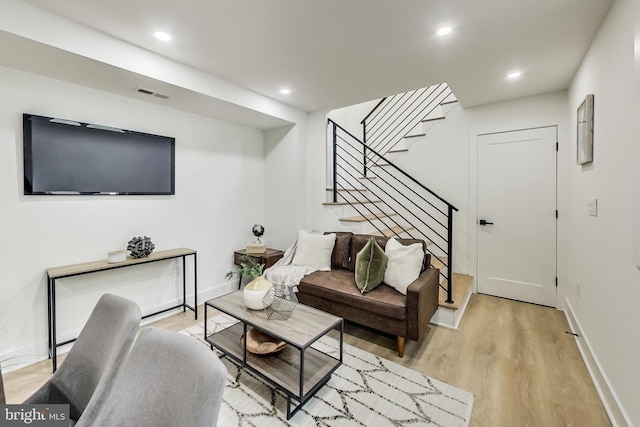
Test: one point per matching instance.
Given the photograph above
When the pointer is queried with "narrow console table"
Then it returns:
(62, 272)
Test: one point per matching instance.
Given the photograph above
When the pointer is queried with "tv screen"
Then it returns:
(65, 157)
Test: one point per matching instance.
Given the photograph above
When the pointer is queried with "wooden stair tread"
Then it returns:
(415, 135)
(461, 283)
(350, 203)
(453, 101)
(368, 217)
(438, 264)
(391, 232)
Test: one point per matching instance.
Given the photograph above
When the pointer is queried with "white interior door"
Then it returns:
(517, 215)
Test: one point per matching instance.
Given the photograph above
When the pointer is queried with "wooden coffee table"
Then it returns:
(298, 370)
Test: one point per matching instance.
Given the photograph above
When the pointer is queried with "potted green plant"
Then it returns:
(255, 291)
(248, 268)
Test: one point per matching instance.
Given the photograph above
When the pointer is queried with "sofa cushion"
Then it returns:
(404, 265)
(359, 240)
(341, 250)
(426, 262)
(371, 263)
(314, 250)
(357, 243)
(339, 285)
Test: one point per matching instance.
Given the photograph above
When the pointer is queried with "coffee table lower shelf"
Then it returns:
(298, 372)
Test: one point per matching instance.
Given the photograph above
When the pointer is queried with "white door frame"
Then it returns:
(473, 202)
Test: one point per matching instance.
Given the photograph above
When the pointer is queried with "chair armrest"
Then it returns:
(422, 302)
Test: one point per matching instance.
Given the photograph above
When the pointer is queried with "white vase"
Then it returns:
(255, 291)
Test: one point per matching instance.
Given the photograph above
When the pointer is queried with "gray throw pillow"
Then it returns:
(371, 263)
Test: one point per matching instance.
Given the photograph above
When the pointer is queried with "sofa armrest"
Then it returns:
(422, 302)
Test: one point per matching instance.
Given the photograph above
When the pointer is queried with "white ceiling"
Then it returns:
(334, 53)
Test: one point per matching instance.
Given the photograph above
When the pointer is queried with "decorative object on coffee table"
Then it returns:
(140, 247)
(280, 302)
(263, 344)
(255, 292)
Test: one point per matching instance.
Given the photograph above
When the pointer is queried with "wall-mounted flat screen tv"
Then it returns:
(66, 157)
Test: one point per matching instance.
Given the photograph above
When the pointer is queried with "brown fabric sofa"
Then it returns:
(383, 308)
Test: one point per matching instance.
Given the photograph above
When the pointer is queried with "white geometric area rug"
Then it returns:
(366, 390)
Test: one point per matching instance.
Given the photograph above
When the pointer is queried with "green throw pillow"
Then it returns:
(371, 262)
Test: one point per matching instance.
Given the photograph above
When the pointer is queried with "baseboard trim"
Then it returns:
(608, 396)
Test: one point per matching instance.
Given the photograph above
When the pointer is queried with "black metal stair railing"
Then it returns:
(418, 212)
(395, 116)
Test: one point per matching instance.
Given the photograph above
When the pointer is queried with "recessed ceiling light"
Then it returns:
(443, 31)
(285, 91)
(160, 35)
(514, 75)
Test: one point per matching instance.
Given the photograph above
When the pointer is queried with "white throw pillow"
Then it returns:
(314, 250)
(404, 264)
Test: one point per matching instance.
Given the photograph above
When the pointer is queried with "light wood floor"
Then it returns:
(515, 358)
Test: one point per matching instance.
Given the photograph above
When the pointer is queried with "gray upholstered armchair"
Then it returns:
(92, 365)
(168, 380)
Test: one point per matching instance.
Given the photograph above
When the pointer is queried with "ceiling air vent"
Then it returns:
(151, 93)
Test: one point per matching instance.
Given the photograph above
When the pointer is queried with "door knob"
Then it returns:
(485, 222)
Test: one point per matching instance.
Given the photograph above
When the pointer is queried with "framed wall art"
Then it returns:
(585, 131)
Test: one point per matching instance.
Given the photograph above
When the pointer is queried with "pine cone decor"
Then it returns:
(140, 247)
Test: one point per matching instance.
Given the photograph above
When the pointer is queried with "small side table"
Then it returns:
(270, 257)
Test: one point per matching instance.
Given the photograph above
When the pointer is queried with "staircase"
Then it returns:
(405, 116)
(373, 195)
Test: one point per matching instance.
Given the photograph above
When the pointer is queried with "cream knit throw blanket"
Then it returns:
(286, 276)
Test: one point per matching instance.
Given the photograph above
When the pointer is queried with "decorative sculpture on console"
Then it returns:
(140, 247)
(257, 247)
(258, 231)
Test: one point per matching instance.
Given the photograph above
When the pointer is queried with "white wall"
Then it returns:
(219, 196)
(600, 249)
(285, 184)
(350, 118)
(316, 166)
